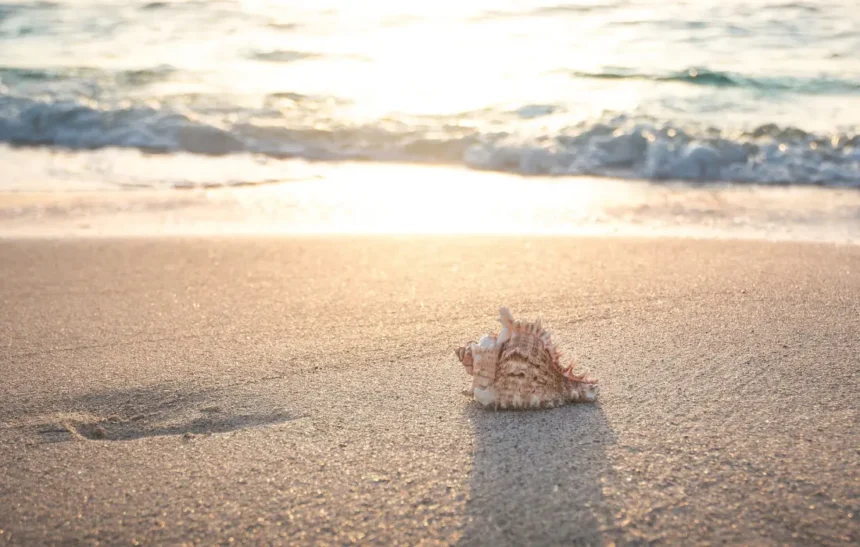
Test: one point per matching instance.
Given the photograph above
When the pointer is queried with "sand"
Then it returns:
(305, 391)
(368, 198)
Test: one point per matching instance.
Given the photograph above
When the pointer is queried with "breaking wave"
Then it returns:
(715, 78)
(619, 146)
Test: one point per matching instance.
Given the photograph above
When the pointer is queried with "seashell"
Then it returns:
(520, 367)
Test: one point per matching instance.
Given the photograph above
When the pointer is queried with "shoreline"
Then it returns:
(366, 198)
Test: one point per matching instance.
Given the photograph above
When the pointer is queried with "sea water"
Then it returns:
(743, 91)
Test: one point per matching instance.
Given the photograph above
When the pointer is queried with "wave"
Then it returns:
(136, 77)
(10, 7)
(716, 78)
(619, 146)
(558, 9)
(575, 8)
(27, 15)
(800, 6)
(283, 56)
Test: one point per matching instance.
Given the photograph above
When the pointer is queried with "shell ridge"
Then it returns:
(522, 368)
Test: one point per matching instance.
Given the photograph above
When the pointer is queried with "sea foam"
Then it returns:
(619, 146)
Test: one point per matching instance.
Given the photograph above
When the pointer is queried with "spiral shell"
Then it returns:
(521, 368)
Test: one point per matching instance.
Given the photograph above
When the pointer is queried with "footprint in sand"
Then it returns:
(153, 413)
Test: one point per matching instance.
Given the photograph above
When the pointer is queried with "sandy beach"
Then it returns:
(241, 242)
(263, 390)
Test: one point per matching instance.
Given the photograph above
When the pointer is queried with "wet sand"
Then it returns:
(373, 199)
(304, 390)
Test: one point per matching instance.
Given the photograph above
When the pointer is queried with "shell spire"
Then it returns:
(507, 321)
(521, 368)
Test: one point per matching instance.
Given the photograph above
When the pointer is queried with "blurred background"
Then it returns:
(225, 93)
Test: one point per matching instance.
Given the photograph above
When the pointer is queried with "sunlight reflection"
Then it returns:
(393, 199)
(433, 59)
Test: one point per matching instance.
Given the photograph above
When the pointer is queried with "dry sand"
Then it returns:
(304, 391)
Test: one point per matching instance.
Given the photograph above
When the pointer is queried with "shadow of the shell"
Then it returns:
(536, 476)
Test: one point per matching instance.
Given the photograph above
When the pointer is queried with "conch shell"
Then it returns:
(520, 367)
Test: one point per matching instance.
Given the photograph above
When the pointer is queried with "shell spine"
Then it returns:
(521, 368)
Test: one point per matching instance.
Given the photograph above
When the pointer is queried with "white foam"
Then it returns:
(619, 147)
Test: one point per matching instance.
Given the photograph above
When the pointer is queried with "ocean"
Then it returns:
(160, 94)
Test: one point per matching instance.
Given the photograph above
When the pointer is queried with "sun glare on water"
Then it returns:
(437, 58)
